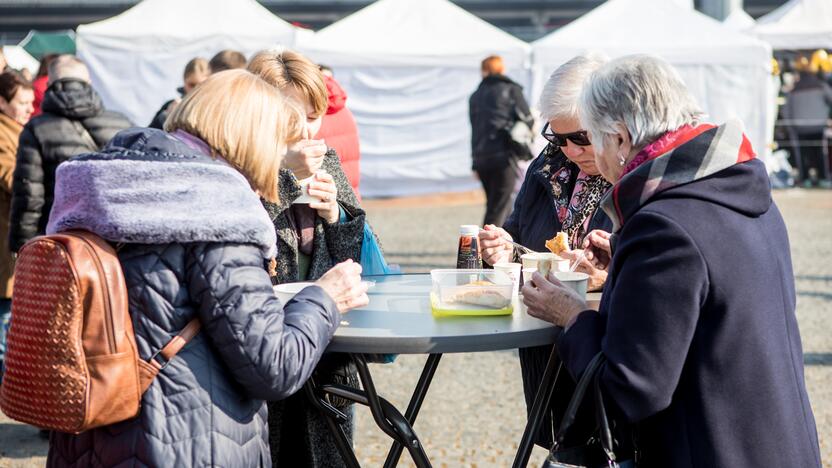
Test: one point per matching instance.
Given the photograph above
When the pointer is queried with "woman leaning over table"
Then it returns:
(200, 249)
(697, 322)
(311, 237)
(562, 192)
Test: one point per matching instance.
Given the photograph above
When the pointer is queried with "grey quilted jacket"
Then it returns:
(193, 242)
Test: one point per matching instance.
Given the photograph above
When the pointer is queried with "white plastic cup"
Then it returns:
(528, 273)
(286, 291)
(575, 280)
(544, 262)
(512, 270)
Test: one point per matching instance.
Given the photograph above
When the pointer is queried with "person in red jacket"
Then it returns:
(340, 131)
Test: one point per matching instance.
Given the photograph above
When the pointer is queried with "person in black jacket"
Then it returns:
(73, 122)
(562, 192)
(196, 71)
(194, 242)
(494, 108)
(697, 322)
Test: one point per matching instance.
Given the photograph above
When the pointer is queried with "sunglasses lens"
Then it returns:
(580, 139)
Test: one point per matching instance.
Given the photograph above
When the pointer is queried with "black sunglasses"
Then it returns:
(580, 137)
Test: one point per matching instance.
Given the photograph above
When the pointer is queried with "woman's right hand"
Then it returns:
(598, 250)
(305, 157)
(343, 284)
(493, 245)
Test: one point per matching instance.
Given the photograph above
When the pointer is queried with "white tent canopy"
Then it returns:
(739, 20)
(408, 67)
(728, 72)
(798, 24)
(18, 58)
(136, 58)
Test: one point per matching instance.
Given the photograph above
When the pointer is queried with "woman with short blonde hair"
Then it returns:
(194, 243)
(312, 234)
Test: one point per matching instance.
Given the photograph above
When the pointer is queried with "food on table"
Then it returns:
(558, 244)
(479, 296)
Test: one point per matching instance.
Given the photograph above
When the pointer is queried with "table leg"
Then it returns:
(538, 411)
(333, 416)
(388, 418)
(415, 405)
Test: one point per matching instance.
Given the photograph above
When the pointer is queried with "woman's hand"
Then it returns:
(323, 188)
(597, 276)
(305, 157)
(493, 245)
(549, 300)
(598, 250)
(343, 284)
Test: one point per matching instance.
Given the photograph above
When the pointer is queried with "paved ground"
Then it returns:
(473, 415)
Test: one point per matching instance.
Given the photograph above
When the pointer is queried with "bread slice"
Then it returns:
(558, 244)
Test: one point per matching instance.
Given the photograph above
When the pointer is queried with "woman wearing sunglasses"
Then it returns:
(561, 192)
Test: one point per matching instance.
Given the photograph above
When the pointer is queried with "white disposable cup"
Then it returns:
(527, 274)
(575, 280)
(544, 262)
(512, 270)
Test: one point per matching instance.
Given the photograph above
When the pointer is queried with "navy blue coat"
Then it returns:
(534, 221)
(698, 327)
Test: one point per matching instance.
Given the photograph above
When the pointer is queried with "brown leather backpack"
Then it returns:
(72, 362)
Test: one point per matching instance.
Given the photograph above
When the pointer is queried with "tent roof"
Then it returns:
(191, 18)
(798, 24)
(399, 30)
(678, 34)
(18, 58)
(739, 20)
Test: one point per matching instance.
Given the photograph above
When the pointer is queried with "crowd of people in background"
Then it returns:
(250, 178)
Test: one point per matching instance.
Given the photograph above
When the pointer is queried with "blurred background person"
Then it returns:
(494, 108)
(227, 60)
(41, 81)
(4, 64)
(562, 191)
(73, 122)
(311, 238)
(196, 71)
(339, 130)
(16, 97)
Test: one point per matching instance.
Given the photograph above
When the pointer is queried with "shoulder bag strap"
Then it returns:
(148, 370)
(577, 397)
(85, 135)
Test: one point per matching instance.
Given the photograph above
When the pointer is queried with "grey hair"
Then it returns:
(560, 95)
(641, 94)
(68, 66)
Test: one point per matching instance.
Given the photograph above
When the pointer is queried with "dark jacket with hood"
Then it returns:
(493, 109)
(340, 132)
(697, 322)
(533, 221)
(73, 122)
(198, 248)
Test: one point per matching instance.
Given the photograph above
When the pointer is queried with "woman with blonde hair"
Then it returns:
(312, 236)
(195, 242)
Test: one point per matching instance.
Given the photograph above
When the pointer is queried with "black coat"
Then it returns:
(493, 109)
(698, 326)
(73, 122)
(534, 221)
(206, 407)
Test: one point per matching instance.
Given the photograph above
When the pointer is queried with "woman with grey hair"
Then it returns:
(697, 329)
(561, 192)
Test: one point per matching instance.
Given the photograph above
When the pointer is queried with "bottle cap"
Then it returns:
(469, 230)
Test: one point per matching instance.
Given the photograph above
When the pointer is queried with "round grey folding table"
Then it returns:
(398, 320)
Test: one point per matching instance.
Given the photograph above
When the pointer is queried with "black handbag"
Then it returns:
(598, 450)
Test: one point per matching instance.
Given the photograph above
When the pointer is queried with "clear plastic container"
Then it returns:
(471, 292)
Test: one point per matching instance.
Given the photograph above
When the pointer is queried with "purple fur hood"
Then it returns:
(149, 187)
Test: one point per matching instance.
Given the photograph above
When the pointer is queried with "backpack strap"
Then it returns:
(148, 370)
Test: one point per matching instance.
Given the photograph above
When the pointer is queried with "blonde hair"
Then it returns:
(288, 69)
(245, 121)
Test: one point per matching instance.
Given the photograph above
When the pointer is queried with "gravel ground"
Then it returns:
(473, 415)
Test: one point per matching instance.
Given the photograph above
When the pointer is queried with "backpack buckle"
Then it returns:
(157, 356)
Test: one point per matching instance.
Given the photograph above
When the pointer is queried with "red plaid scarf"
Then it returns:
(679, 157)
